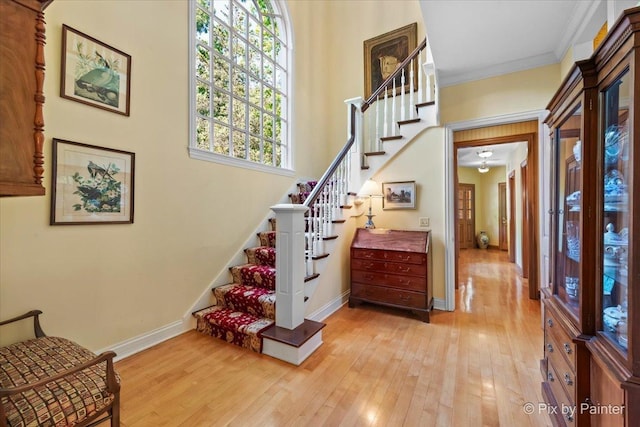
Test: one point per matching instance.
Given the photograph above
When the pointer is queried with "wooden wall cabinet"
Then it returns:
(22, 39)
(393, 268)
(592, 308)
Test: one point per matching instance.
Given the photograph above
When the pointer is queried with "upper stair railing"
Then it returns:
(369, 124)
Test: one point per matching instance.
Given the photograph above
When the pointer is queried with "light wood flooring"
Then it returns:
(476, 366)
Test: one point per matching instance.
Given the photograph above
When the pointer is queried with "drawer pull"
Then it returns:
(367, 255)
(567, 348)
(550, 348)
(405, 298)
(550, 377)
(368, 265)
(368, 277)
(404, 269)
(567, 379)
(550, 323)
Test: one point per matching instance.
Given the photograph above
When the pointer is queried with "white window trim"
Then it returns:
(199, 154)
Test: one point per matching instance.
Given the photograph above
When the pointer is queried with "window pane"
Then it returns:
(203, 63)
(268, 103)
(239, 20)
(239, 82)
(267, 71)
(239, 114)
(203, 99)
(206, 4)
(221, 39)
(202, 26)
(240, 52)
(202, 134)
(254, 145)
(254, 121)
(254, 33)
(221, 10)
(254, 61)
(239, 141)
(268, 126)
(267, 149)
(220, 139)
(279, 156)
(267, 45)
(281, 79)
(255, 96)
(221, 73)
(221, 103)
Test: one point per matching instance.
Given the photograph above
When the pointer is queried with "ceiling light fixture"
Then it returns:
(485, 154)
(483, 168)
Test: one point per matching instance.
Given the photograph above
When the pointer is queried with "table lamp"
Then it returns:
(370, 189)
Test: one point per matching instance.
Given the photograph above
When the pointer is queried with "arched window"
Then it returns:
(240, 60)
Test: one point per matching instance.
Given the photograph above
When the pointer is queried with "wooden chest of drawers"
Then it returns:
(393, 268)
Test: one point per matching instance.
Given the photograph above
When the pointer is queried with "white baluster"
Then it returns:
(403, 115)
(393, 112)
(385, 128)
(420, 79)
(412, 106)
(377, 135)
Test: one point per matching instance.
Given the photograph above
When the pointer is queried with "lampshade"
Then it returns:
(370, 188)
(485, 154)
(483, 168)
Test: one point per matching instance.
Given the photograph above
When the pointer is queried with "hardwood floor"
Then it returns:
(476, 366)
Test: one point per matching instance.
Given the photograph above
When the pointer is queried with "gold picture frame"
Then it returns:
(399, 195)
(94, 73)
(382, 55)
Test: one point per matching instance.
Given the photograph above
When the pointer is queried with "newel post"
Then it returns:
(290, 264)
(355, 126)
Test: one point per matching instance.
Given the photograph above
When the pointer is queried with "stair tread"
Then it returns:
(235, 327)
(254, 300)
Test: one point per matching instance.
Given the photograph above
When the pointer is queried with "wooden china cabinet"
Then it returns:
(22, 39)
(591, 364)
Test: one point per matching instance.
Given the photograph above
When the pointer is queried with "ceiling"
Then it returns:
(468, 157)
(474, 39)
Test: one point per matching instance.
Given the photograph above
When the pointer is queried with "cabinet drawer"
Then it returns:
(565, 373)
(564, 343)
(414, 283)
(396, 256)
(565, 408)
(389, 267)
(389, 295)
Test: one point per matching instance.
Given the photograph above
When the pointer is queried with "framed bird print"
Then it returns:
(90, 184)
(94, 73)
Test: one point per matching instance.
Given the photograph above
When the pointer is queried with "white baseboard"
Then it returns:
(440, 304)
(328, 309)
(142, 342)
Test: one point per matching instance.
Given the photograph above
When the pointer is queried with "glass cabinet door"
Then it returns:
(615, 205)
(568, 179)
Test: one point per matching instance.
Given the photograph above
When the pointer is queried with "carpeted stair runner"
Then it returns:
(246, 306)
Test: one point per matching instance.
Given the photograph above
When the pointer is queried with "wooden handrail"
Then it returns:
(315, 193)
(395, 74)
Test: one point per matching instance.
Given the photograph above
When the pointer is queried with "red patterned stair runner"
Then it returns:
(246, 307)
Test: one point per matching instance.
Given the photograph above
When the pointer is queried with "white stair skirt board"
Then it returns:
(289, 353)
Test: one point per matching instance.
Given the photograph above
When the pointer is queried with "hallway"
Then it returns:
(477, 366)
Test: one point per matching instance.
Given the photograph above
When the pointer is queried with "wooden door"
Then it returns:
(466, 215)
(502, 216)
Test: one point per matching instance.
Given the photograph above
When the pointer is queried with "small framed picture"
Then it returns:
(91, 185)
(94, 73)
(399, 195)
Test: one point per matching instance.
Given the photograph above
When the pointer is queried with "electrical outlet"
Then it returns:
(424, 222)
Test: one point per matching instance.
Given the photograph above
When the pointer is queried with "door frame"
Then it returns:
(512, 216)
(503, 232)
(451, 164)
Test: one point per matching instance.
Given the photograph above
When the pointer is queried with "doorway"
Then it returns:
(508, 134)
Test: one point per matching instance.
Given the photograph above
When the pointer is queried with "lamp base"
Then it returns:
(369, 223)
